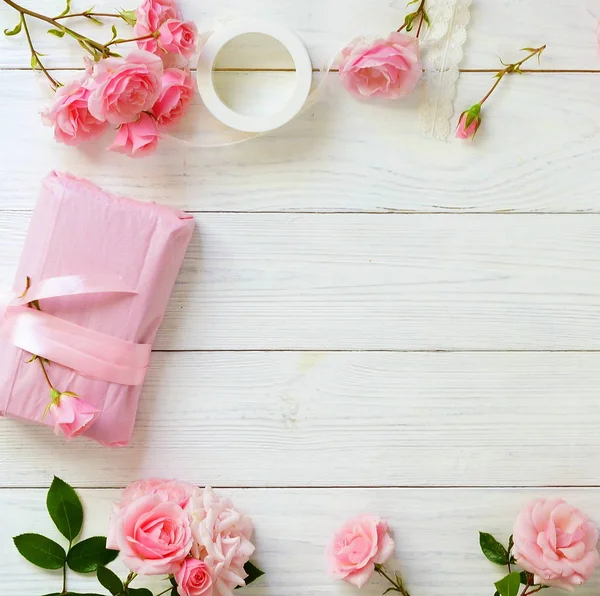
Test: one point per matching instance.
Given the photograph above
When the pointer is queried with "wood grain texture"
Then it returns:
(436, 533)
(498, 28)
(537, 152)
(379, 282)
(266, 419)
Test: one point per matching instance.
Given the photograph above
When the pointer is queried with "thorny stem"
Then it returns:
(398, 587)
(35, 56)
(511, 68)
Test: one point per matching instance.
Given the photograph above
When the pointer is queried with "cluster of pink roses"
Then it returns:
(193, 535)
(139, 94)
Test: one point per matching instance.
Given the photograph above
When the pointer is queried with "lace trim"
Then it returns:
(442, 47)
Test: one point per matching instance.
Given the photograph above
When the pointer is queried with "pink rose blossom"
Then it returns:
(125, 87)
(168, 490)
(137, 139)
(69, 115)
(72, 415)
(221, 539)
(176, 93)
(154, 536)
(178, 37)
(193, 578)
(358, 546)
(150, 16)
(387, 68)
(557, 543)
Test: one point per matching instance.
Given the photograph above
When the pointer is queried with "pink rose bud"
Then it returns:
(357, 547)
(69, 115)
(469, 122)
(72, 415)
(557, 543)
(125, 87)
(387, 68)
(137, 139)
(176, 94)
(178, 37)
(194, 579)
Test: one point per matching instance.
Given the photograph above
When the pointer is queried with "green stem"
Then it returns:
(421, 12)
(118, 41)
(130, 578)
(35, 56)
(87, 15)
(398, 587)
(41, 361)
(167, 590)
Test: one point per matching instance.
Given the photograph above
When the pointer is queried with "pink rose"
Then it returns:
(178, 37)
(357, 547)
(137, 139)
(193, 578)
(69, 115)
(472, 115)
(168, 490)
(125, 87)
(556, 542)
(176, 93)
(387, 68)
(72, 415)
(221, 539)
(150, 16)
(154, 536)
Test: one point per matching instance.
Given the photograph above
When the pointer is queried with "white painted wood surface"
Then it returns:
(367, 320)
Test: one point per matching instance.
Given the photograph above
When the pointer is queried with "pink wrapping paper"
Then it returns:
(78, 229)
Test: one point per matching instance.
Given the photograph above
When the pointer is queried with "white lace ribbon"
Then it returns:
(442, 52)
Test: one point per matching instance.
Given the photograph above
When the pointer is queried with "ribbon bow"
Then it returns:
(91, 353)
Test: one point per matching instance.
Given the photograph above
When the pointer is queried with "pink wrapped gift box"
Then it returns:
(82, 237)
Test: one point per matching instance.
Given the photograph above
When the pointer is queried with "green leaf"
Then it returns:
(115, 33)
(509, 585)
(34, 61)
(492, 549)
(85, 556)
(253, 572)
(65, 509)
(408, 21)
(41, 551)
(67, 10)
(139, 592)
(15, 31)
(129, 16)
(110, 581)
(56, 32)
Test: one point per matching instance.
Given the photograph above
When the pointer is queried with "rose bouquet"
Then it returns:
(197, 539)
(138, 95)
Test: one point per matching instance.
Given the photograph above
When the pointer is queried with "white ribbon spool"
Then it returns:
(242, 122)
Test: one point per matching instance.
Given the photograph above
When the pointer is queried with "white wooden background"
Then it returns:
(366, 320)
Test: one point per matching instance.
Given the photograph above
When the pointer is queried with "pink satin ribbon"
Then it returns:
(91, 353)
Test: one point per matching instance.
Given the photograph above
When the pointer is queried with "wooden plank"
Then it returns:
(436, 533)
(498, 27)
(379, 282)
(399, 419)
(537, 152)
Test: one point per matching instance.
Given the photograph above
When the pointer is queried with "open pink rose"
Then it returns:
(72, 415)
(154, 536)
(168, 490)
(151, 14)
(557, 543)
(176, 94)
(387, 68)
(137, 139)
(193, 578)
(221, 539)
(178, 37)
(125, 87)
(358, 546)
(70, 116)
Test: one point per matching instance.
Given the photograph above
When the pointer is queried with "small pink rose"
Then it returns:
(168, 490)
(70, 116)
(178, 37)
(469, 123)
(358, 546)
(137, 139)
(154, 536)
(557, 543)
(72, 415)
(193, 578)
(387, 68)
(176, 94)
(125, 87)
(151, 14)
